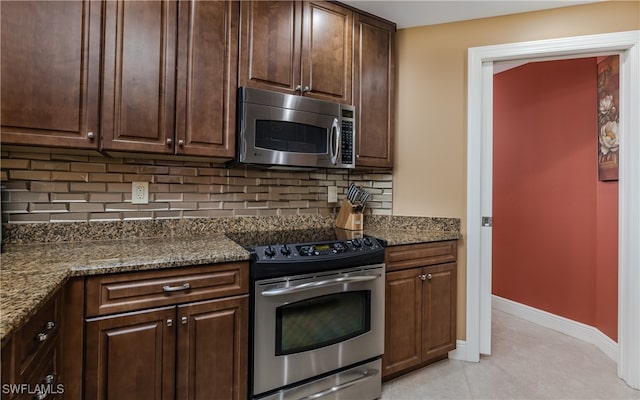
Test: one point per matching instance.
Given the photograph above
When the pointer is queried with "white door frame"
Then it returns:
(479, 184)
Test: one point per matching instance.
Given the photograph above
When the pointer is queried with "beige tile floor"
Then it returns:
(527, 362)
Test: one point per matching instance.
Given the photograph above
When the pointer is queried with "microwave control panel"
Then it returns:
(348, 136)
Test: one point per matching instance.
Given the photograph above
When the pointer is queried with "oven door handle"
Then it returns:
(366, 375)
(319, 284)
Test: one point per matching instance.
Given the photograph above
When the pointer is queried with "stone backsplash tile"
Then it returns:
(41, 187)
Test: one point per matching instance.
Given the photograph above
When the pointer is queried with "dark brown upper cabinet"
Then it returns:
(207, 78)
(374, 75)
(169, 77)
(50, 73)
(138, 99)
(297, 47)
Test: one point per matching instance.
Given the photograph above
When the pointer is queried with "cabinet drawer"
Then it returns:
(417, 255)
(110, 294)
(36, 338)
(44, 375)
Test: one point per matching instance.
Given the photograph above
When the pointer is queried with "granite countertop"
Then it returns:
(397, 237)
(32, 273)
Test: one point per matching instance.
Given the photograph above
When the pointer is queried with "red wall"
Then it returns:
(554, 225)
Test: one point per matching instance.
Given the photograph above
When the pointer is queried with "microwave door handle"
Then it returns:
(334, 142)
(319, 284)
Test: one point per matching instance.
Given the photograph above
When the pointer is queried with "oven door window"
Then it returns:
(291, 137)
(322, 321)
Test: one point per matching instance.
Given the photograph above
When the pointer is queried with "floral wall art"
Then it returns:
(608, 117)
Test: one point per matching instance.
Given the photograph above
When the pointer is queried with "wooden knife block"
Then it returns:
(348, 218)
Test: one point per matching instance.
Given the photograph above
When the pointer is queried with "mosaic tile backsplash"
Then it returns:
(50, 187)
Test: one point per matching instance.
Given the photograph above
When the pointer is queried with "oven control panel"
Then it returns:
(334, 249)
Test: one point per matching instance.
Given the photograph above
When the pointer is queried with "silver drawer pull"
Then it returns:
(48, 380)
(40, 396)
(43, 336)
(366, 375)
(185, 286)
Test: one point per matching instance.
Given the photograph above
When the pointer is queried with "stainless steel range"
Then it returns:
(317, 315)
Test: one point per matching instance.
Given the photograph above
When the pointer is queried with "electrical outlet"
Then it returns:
(332, 194)
(139, 192)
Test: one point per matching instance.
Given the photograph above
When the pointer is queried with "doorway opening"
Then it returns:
(555, 220)
(479, 184)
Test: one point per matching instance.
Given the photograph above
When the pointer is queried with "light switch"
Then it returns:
(332, 194)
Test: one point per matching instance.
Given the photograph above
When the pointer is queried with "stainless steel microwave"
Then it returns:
(282, 130)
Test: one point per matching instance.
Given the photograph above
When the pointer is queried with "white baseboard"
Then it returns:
(460, 353)
(564, 325)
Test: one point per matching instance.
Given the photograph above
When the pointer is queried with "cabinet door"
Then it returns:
(403, 321)
(50, 73)
(439, 311)
(270, 45)
(327, 51)
(138, 103)
(212, 349)
(207, 78)
(7, 366)
(374, 91)
(131, 356)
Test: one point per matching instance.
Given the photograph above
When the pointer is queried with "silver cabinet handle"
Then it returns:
(169, 141)
(306, 89)
(319, 284)
(366, 375)
(425, 277)
(169, 322)
(183, 320)
(429, 277)
(298, 89)
(48, 380)
(43, 336)
(41, 396)
(91, 135)
(180, 142)
(184, 286)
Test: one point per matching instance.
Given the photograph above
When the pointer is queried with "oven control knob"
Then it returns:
(285, 250)
(367, 241)
(269, 251)
(306, 250)
(356, 243)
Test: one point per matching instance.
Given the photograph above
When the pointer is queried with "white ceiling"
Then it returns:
(407, 14)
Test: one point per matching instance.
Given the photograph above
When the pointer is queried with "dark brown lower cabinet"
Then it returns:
(420, 320)
(131, 356)
(192, 351)
(212, 350)
(178, 333)
(31, 357)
